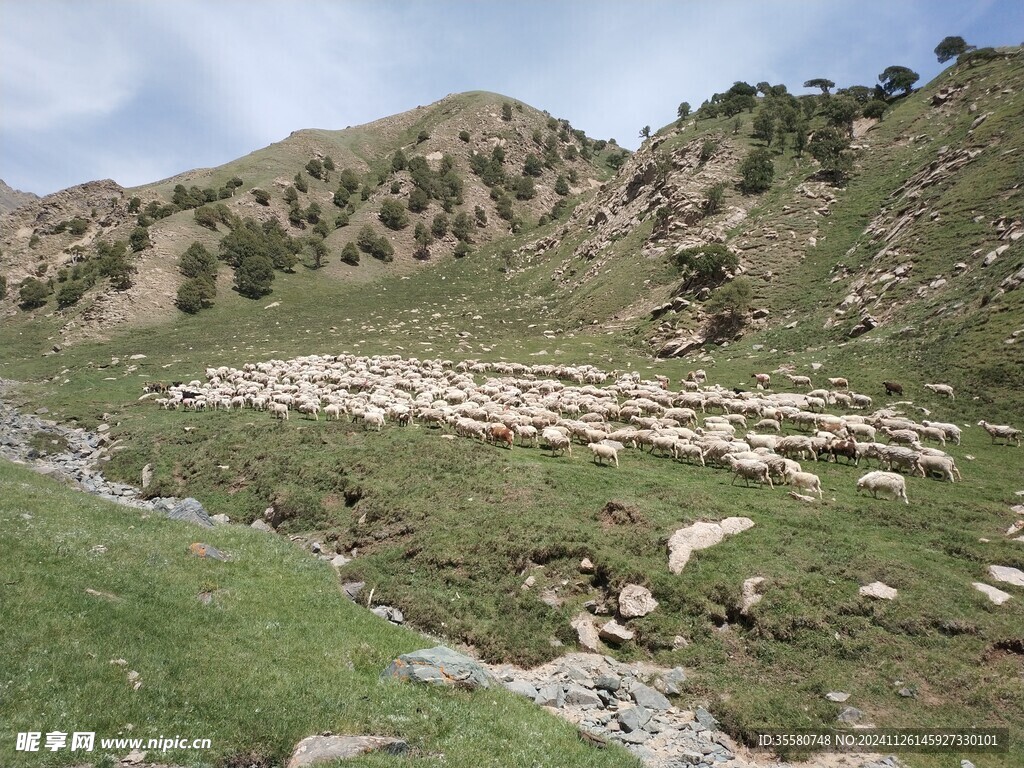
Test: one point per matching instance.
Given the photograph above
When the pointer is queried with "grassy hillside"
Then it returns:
(275, 654)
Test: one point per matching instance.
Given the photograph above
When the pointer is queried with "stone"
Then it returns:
(260, 525)
(220, 519)
(750, 594)
(837, 696)
(578, 696)
(586, 566)
(586, 633)
(1007, 575)
(701, 536)
(997, 596)
(636, 601)
(648, 698)
(635, 737)
(878, 590)
(352, 589)
(673, 681)
(523, 688)
(187, 510)
(103, 428)
(530, 581)
(705, 718)
(608, 683)
(439, 666)
(322, 749)
(907, 693)
(850, 715)
(147, 475)
(550, 695)
(615, 633)
(633, 718)
(387, 612)
(206, 552)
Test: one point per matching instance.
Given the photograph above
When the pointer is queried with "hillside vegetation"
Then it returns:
(894, 256)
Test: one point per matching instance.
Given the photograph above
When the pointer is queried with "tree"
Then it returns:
(683, 110)
(422, 136)
(206, 216)
(462, 227)
(196, 261)
(757, 172)
(422, 234)
(830, 148)
(841, 111)
(645, 132)
(820, 82)
(254, 276)
(561, 186)
(480, 215)
(506, 111)
(262, 196)
(713, 199)
(3, 287)
(349, 180)
(70, 294)
(399, 162)
(464, 136)
(524, 188)
(133, 204)
(188, 298)
(875, 109)
(350, 254)
(328, 163)
(318, 250)
(706, 264)
(300, 183)
(764, 125)
(532, 165)
(418, 200)
(462, 249)
(392, 214)
(897, 78)
(707, 150)
(439, 226)
(290, 195)
(315, 168)
(139, 239)
(377, 246)
(951, 47)
(313, 212)
(32, 293)
(730, 303)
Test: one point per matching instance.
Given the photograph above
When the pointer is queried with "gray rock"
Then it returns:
(634, 737)
(439, 666)
(352, 589)
(259, 525)
(220, 519)
(850, 715)
(206, 552)
(147, 475)
(578, 696)
(636, 601)
(907, 693)
(613, 632)
(837, 696)
(523, 688)
(608, 683)
(322, 749)
(187, 510)
(649, 698)
(550, 695)
(633, 718)
(391, 614)
(673, 680)
(706, 719)
(966, 764)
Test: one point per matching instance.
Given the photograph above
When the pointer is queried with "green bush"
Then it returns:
(254, 275)
(197, 260)
(728, 306)
(392, 214)
(418, 200)
(757, 172)
(315, 168)
(3, 287)
(206, 216)
(462, 227)
(533, 166)
(706, 264)
(350, 254)
(506, 111)
(464, 136)
(422, 136)
(524, 188)
(462, 250)
(262, 196)
(439, 226)
(78, 226)
(376, 246)
(561, 186)
(70, 294)
(707, 149)
(32, 293)
(480, 215)
(713, 199)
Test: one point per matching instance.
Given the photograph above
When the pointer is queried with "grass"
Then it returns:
(276, 655)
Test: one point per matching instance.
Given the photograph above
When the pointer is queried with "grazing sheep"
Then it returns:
(892, 388)
(839, 383)
(941, 389)
(781, 468)
(527, 432)
(807, 481)
(846, 448)
(861, 430)
(1001, 432)
(896, 457)
(373, 419)
(762, 380)
(604, 451)
(892, 485)
(762, 441)
(951, 431)
(750, 470)
(499, 433)
(772, 424)
(279, 410)
(557, 441)
(860, 401)
(796, 446)
(900, 436)
(310, 408)
(940, 465)
(799, 381)
(932, 433)
(663, 444)
(689, 451)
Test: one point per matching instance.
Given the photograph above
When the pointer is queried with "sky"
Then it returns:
(140, 90)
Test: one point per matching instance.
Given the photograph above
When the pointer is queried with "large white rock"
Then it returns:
(750, 594)
(636, 601)
(587, 633)
(322, 749)
(1007, 574)
(997, 596)
(879, 591)
(615, 633)
(701, 536)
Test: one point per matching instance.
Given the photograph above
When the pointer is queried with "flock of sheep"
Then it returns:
(698, 424)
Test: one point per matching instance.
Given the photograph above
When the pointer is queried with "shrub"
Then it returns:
(377, 246)
(757, 172)
(32, 293)
(875, 109)
(506, 111)
(707, 150)
(70, 293)
(418, 200)
(399, 162)
(392, 214)
(206, 216)
(462, 250)
(262, 196)
(196, 261)
(524, 188)
(831, 148)
(189, 297)
(481, 216)
(462, 227)
(315, 168)
(464, 136)
(341, 220)
(328, 163)
(713, 199)
(439, 226)
(134, 204)
(729, 305)
(254, 275)
(422, 136)
(349, 180)
(3, 287)
(706, 264)
(533, 166)
(78, 226)
(350, 254)
(561, 186)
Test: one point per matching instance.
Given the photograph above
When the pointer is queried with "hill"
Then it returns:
(12, 198)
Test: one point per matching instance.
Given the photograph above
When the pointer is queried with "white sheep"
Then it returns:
(689, 451)
(279, 410)
(772, 424)
(604, 451)
(839, 383)
(942, 465)
(750, 470)
(888, 483)
(799, 381)
(373, 419)
(941, 389)
(807, 481)
(951, 431)
(1001, 432)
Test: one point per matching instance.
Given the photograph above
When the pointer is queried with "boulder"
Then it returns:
(706, 719)
(648, 698)
(387, 612)
(751, 597)
(550, 695)
(147, 475)
(633, 718)
(878, 590)
(636, 601)
(439, 666)
(997, 596)
(701, 536)
(187, 510)
(322, 749)
(260, 525)
(1007, 575)
(206, 552)
(586, 632)
(523, 688)
(578, 696)
(615, 633)
(672, 681)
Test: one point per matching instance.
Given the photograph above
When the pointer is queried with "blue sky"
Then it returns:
(141, 90)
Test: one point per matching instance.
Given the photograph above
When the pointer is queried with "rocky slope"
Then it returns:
(12, 198)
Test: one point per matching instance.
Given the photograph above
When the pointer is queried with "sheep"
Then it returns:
(689, 451)
(894, 457)
(796, 445)
(900, 436)
(781, 468)
(750, 470)
(604, 451)
(860, 401)
(942, 465)
(932, 433)
(839, 383)
(799, 381)
(663, 444)
(941, 389)
(861, 430)
(1001, 432)
(279, 410)
(847, 448)
(557, 442)
(762, 380)
(772, 424)
(527, 432)
(807, 481)
(893, 485)
(951, 431)
(310, 408)
(762, 441)
(373, 419)
(892, 388)
(499, 433)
